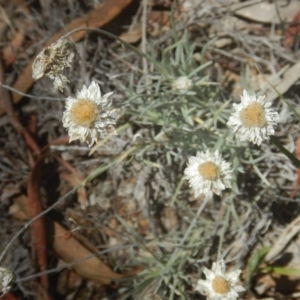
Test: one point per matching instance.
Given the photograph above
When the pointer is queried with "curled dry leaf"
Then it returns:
(69, 249)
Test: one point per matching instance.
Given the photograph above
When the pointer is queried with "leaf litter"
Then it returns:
(136, 210)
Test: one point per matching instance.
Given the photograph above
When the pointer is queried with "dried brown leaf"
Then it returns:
(69, 249)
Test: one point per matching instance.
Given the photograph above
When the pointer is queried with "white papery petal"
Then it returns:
(253, 134)
(206, 287)
(105, 119)
(202, 186)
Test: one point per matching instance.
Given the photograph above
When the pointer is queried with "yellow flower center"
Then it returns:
(209, 171)
(220, 285)
(84, 112)
(253, 115)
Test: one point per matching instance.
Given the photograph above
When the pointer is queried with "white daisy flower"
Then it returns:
(253, 119)
(207, 173)
(89, 116)
(220, 285)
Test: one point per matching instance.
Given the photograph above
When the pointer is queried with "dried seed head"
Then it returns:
(52, 61)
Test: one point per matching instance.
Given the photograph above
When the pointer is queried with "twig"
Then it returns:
(8, 107)
(28, 95)
(72, 263)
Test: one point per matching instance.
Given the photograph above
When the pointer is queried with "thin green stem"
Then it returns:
(223, 231)
(186, 235)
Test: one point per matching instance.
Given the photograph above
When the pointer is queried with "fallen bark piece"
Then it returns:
(38, 231)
